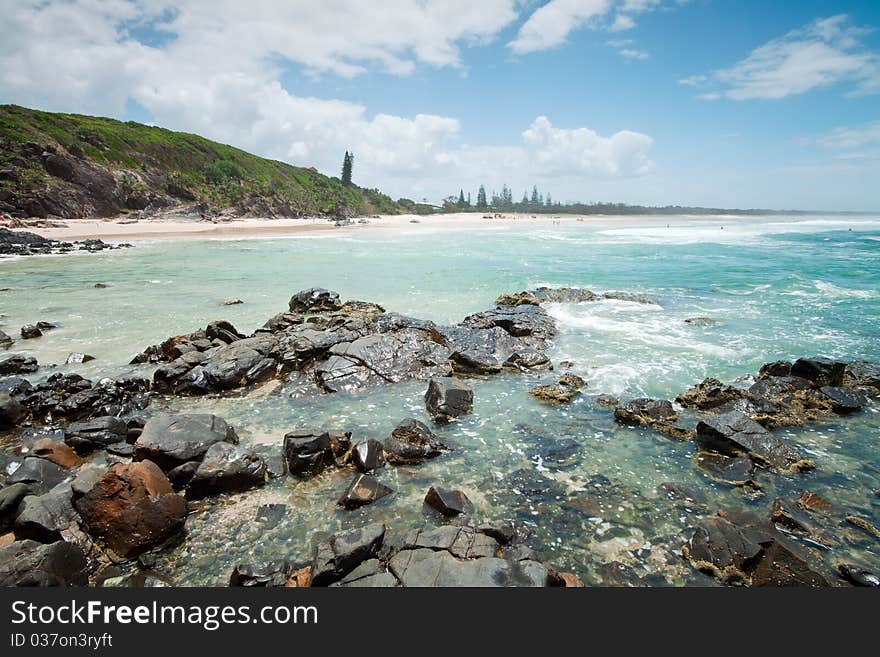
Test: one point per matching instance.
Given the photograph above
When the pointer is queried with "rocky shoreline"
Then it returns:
(23, 243)
(94, 481)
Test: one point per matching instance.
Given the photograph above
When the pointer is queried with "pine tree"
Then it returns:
(481, 198)
(347, 166)
(461, 198)
(535, 199)
(549, 200)
(469, 199)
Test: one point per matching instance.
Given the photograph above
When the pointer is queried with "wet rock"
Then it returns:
(786, 516)
(269, 574)
(607, 401)
(412, 442)
(100, 433)
(524, 321)
(861, 374)
(864, 525)
(632, 297)
(504, 532)
(702, 322)
(15, 386)
(222, 331)
(430, 568)
(10, 499)
(782, 565)
(555, 453)
(657, 414)
(28, 563)
(518, 299)
(18, 364)
(78, 359)
(448, 502)
(30, 331)
(528, 359)
(282, 322)
(345, 551)
(569, 581)
(821, 371)
(182, 474)
(448, 398)
(57, 452)
(619, 575)
(683, 495)
(368, 455)
(736, 434)
(243, 362)
(554, 394)
(776, 368)
(370, 573)
(844, 400)
(133, 508)
(734, 471)
(309, 451)
(233, 302)
(857, 575)
(227, 468)
(474, 362)
(315, 300)
(5, 340)
(11, 411)
(39, 474)
(48, 517)
(709, 394)
(363, 490)
(172, 440)
(810, 501)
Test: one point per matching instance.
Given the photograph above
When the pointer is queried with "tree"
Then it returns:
(549, 200)
(535, 199)
(481, 198)
(347, 166)
(461, 198)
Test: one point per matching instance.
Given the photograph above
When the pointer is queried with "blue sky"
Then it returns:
(696, 102)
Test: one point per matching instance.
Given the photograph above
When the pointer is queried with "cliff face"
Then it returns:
(73, 166)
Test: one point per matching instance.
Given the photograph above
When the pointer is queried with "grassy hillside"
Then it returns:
(69, 164)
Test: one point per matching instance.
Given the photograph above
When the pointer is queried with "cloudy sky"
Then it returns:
(753, 103)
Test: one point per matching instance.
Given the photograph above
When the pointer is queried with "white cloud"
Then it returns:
(632, 53)
(826, 52)
(551, 24)
(693, 81)
(846, 138)
(215, 68)
(621, 23)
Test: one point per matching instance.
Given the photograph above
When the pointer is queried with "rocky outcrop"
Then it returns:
(562, 392)
(657, 414)
(23, 243)
(132, 508)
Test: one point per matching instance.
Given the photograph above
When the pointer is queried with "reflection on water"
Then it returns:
(588, 487)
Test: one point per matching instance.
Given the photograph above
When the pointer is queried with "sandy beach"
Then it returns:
(119, 229)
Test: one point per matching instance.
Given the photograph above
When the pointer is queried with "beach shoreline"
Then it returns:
(118, 229)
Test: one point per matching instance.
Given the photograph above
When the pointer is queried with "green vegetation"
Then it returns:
(347, 166)
(186, 166)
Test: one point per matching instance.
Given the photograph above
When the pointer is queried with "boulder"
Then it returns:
(776, 368)
(857, 575)
(242, 362)
(309, 451)
(10, 499)
(439, 568)
(709, 394)
(657, 414)
(39, 474)
(368, 455)
(363, 490)
(48, 517)
(734, 471)
(820, 371)
(18, 364)
(28, 563)
(344, 551)
(222, 331)
(133, 508)
(314, 300)
(269, 574)
(227, 468)
(100, 433)
(57, 452)
(736, 434)
(30, 331)
(11, 411)
(844, 400)
(447, 502)
(448, 398)
(5, 340)
(78, 359)
(412, 442)
(474, 363)
(527, 359)
(524, 321)
(172, 440)
(567, 388)
(861, 374)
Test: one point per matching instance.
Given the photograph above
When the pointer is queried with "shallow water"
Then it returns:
(779, 288)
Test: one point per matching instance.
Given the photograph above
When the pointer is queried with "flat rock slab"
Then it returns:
(430, 568)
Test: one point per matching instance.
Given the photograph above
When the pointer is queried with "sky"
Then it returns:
(719, 103)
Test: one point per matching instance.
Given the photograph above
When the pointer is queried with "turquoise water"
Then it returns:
(779, 288)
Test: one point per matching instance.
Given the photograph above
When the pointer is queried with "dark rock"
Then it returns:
(182, 474)
(554, 394)
(736, 434)
(133, 508)
(364, 489)
(734, 471)
(607, 401)
(528, 359)
(46, 326)
(782, 565)
(861, 374)
(27, 563)
(78, 359)
(18, 364)
(844, 400)
(709, 394)
(412, 442)
(282, 322)
(447, 502)
(227, 468)
(345, 551)
(682, 494)
(30, 331)
(15, 386)
(474, 362)
(810, 501)
(777, 368)
(315, 300)
(272, 573)
(524, 321)
(657, 414)
(40, 475)
(48, 517)
(438, 568)
(309, 451)
(243, 362)
(86, 437)
(448, 398)
(368, 455)
(11, 411)
(271, 513)
(632, 297)
(858, 575)
(172, 440)
(821, 371)
(5, 340)
(10, 499)
(222, 331)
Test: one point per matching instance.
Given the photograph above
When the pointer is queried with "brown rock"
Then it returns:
(133, 508)
(301, 578)
(58, 453)
(570, 580)
(864, 525)
(809, 501)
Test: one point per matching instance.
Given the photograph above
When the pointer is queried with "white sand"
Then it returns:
(114, 230)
